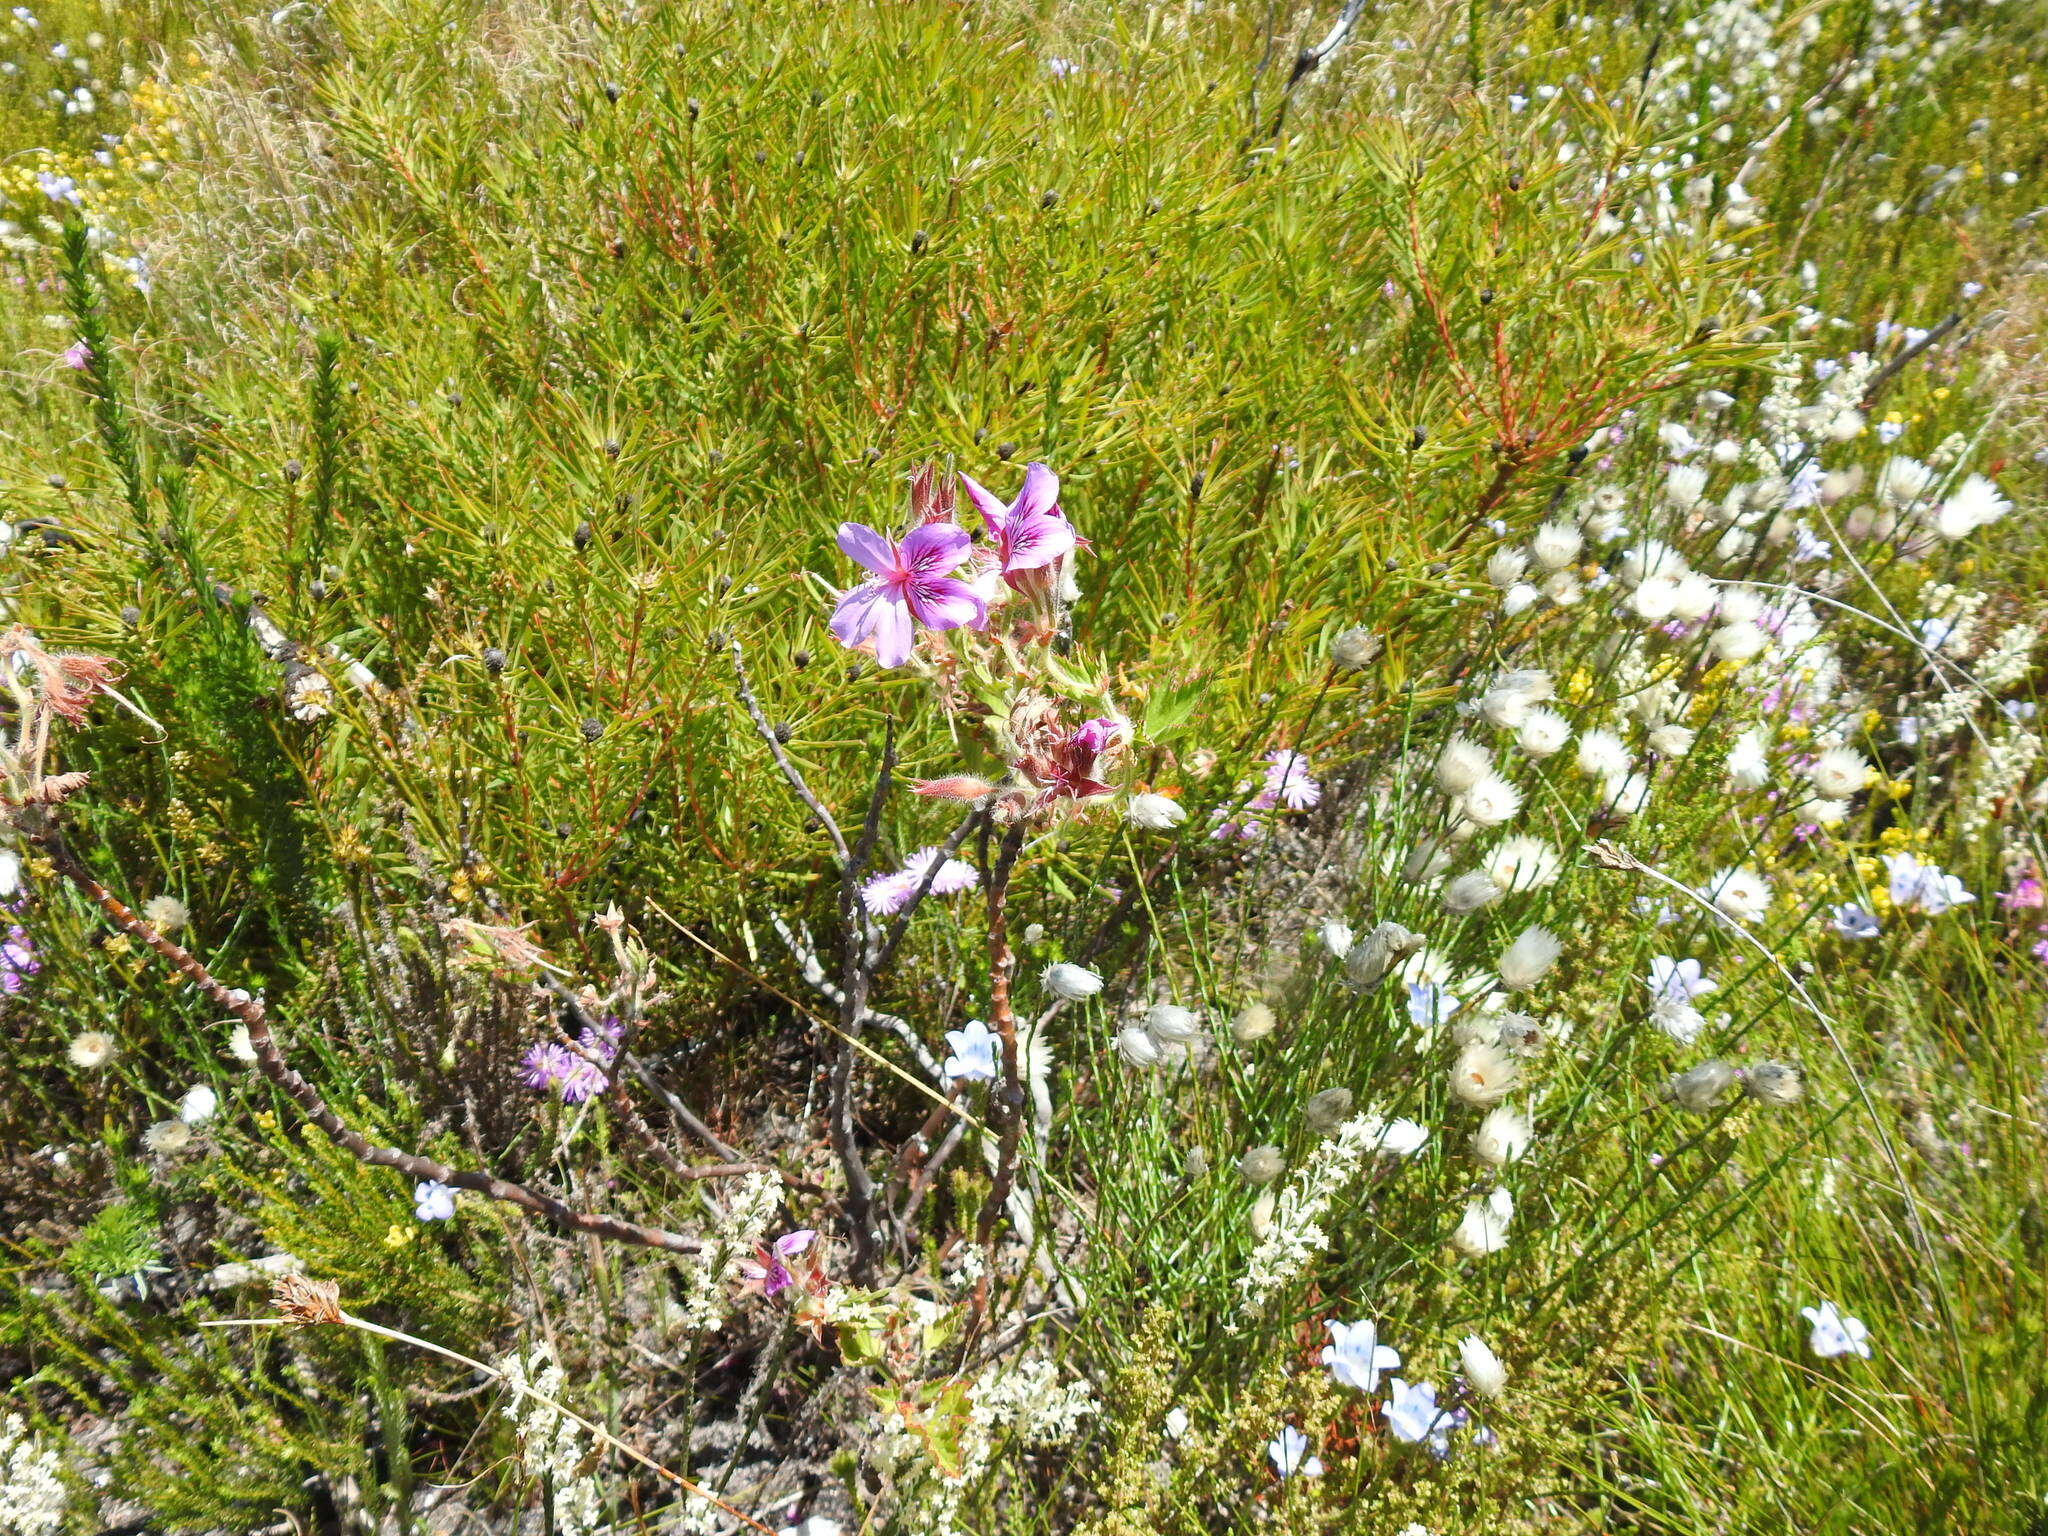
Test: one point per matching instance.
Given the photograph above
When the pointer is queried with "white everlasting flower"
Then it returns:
(1483, 1371)
(1625, 794)
(1395, 1138)
(168, 1138)
(1254, 1022)
(1694, 598)
(1484, 1227)
(1543, 733)
(1678, 1019)
(1818, 811)
(1154, 813)
(1171, 1024)
(1463, 763)
(1740, 605)
(1337, 937)
(1741, 894)
(1522, 863)
(1471, 892)
(1903, 481)
(1671, 740)
(1602, 754)
(199, 1105)
(1738, 643)
(1262, 1165)
(241, 1047)
(1505, 567)
(166, 914)
(1838, 773)
(1064, 979)
(1525, 962)
(1355, 649)
(1563, 588)
(1684, 485)
(1503, 1136)
(1484, 1074)
(1137, 1047)
(1972, 505)
(1430, 860)
(1655, 599)
(1519, 599)
(1490, 802)
(1556, 545)
(92, 1050)
(1749, 766)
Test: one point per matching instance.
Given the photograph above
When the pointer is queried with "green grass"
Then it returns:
(527, 355)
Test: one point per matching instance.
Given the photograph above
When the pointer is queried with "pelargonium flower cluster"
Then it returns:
(913, 584)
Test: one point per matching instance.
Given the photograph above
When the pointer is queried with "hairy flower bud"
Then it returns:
(1254, 1022)
(1154, 813)
(1776, 1083)
(1064, 979)
(1699, 1089)
(1262, 1165)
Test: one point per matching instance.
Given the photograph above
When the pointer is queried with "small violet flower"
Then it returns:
(1356, 1357)
(974, 1053)
(886, 895)
(1853, 922)
(1289, 1453)
(1834, 1333)
(1413, 1416)
(911, 587)
(18, 959)
(1677, 981)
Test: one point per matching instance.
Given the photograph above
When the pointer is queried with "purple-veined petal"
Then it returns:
(940, 602)
(894, 634)
(993, 513)
(854, 619)
(1032, 542)
(790, 1244)
(932, 548)
(870, 548)
(1040, 495)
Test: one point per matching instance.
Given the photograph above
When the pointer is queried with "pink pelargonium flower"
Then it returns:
(767, 1273)
(911, 587)
(1031, 534)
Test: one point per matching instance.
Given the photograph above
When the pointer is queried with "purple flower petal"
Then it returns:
(993, 513)
(875, 611)
(863, 544)
(1040, 495)
(941, 602)
(931, 549)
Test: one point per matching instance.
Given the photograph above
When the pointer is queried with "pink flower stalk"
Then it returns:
(1031, 535)
(911, 587)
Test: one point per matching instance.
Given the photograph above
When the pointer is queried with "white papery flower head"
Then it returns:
(1483, 1371)
(1505, 567)
(92, 1049)
(1490, 802)
(1154, 813)
(1503, 1136)
(1522, 863)
(1970, 506)
(1563, 588)
(1817, 810)
(1740, 605)
(1625, 794)
(1694, 598)
(1484, 1227)
(1543, 733)
(1654, 599)
(1462, 763)
(1738, 643)
(1838, 773)
(1072, 982)
(199, 1105)
(1740, 893)
(1484, 1074)
(1652, 557)
(1602, 754)
(1337, 937)
(1903, 480)
(1525, 962)
(1556, 545)
(1678, 1019)
(1171, 1024)
(1137, 1047)
(1519, 599)
(1471, 892)
(1684, 485)
(1749, 765)
(1671, 740)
